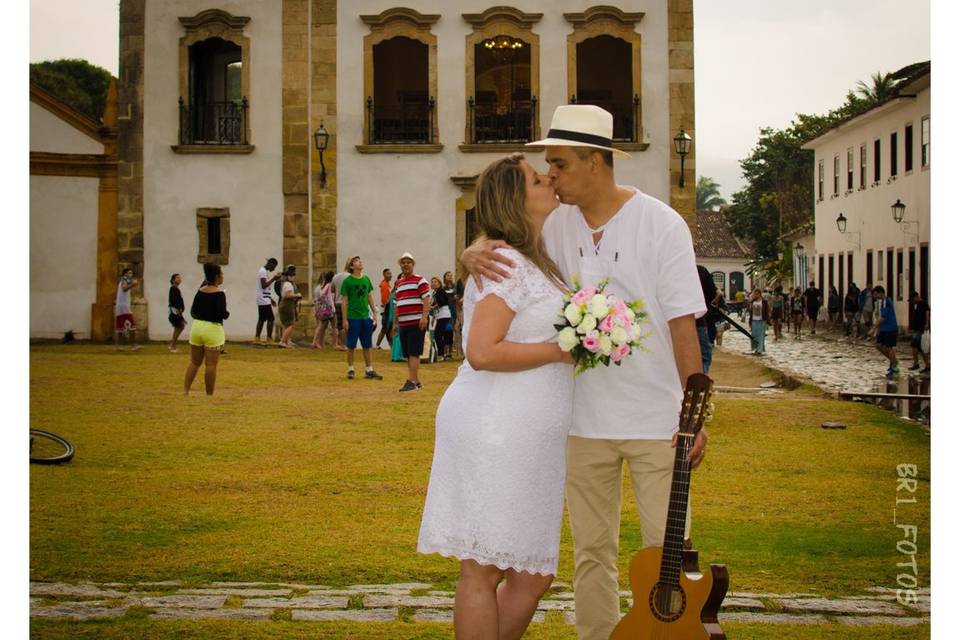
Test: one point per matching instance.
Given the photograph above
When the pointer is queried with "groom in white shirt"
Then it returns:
(628, 413)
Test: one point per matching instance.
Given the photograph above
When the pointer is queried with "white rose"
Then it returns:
(618, 335)
(589, 323)
(631, 314)
(573, 314)
(606, 345)
(598, 306)
(635, 332)
(568, 339)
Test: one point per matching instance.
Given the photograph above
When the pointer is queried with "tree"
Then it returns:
(708, 194)
(882, 87)
(80, 84)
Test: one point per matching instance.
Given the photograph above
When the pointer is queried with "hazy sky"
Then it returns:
(758, 62)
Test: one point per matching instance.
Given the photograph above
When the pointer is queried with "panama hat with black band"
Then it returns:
(581, 125)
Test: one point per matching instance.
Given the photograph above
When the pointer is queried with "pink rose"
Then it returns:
(583, 296)
(620, 352)
(619, 307)
(606, 325)
(591, 342)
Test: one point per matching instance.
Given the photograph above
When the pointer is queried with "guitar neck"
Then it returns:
(676, 514)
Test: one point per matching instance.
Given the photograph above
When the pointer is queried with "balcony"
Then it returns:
(489, 122)
(405, 126)
(213, 127)
(626, 115)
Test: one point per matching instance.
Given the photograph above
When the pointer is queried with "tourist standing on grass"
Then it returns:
(778, 309)
(443, 330)
(123, 314)
(410, 318)
(287, 307)
(813, 301)
(359, 309)
(323, 311)
(759, 316)
(797, 302)
(265, 302)
(386, 328)
(627, 414)
(495, 499)
(175, 309)
(919, 322)
(209, 310)
(450, 289)
(887, 329)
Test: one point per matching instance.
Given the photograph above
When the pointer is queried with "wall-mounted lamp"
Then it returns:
(842, 227)
(681, 142)
(321, 139)
(898, 209)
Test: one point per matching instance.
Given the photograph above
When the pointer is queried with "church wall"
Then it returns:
(63, 253)
(176, 185)
(390, 203)
(51, 134)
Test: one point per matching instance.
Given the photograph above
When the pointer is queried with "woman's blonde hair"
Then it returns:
(501, 214)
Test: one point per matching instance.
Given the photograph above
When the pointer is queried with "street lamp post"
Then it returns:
(681, 142)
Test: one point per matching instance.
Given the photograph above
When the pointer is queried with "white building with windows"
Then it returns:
(224, 106)
(722, 254)
(872, 169)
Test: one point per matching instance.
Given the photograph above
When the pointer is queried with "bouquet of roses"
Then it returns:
(597, 328)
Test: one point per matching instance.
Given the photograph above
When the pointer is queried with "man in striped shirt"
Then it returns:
(410, 318)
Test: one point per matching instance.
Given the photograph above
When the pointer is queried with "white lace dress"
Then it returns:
(497, 482)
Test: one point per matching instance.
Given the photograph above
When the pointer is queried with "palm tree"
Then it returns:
(708, 194)
(881, 87)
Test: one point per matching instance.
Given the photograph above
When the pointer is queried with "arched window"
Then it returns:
(400, 83)
(502, 105)
(502, 79)
(402, 107)
(604, 72)
(214, 83)
(603, 54)
(215, 101)
(720, 279)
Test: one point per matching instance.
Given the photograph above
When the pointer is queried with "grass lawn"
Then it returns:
(292, 473)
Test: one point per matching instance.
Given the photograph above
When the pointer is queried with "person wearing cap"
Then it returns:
(358, 309)
(410, 318)
(624, 414)
(264, 301)
(287, 307)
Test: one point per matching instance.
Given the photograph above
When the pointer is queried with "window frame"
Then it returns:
(497, 21)
(908, 148)
(924, 146)
(203, 214)
(877, 164)
(216, 23)
(387, 25)
(894, 164)
(820, 179)
(849, 169)
(613, 22)
(863, 166)
(836, 175)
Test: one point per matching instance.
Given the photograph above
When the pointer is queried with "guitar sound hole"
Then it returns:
(667, 602)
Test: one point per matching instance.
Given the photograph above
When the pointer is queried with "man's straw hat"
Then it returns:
(581, 125)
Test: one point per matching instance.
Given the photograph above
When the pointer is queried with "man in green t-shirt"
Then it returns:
(359, 311)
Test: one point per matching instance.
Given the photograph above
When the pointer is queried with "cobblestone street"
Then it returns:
(830, 360)
(388, 602)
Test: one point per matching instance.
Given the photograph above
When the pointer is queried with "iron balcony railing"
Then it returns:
(626, 117)
(213, 122)
(491, 122)
(409, 122)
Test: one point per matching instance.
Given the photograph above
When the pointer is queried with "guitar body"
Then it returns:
(683, 615)
(672, 599)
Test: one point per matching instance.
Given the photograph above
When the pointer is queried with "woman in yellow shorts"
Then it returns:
(209, 310)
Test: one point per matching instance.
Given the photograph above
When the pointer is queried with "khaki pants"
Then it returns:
(594, 479)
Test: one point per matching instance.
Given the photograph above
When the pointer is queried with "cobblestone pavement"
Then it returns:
(830, 360)
(418, 601)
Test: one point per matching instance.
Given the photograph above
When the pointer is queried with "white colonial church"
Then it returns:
(212, 149)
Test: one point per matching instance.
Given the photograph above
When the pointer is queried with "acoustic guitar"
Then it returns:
(671, 598)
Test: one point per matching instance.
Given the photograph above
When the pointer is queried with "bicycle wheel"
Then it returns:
(49, 448)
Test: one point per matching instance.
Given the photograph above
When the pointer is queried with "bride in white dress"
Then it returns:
(495, 499)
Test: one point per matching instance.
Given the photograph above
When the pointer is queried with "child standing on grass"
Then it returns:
(209, 310)
(176, 309)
